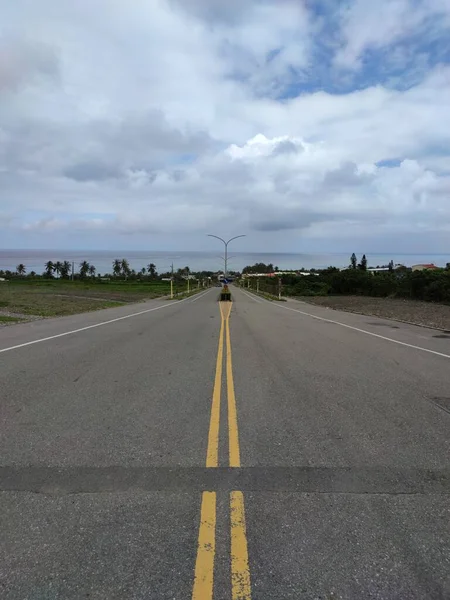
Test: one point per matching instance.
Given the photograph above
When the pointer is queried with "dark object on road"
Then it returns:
(225, 295)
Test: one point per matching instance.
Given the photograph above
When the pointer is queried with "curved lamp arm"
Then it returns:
(222, 240)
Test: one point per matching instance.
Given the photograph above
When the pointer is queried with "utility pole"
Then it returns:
(171, 285)
(73, 269)
(279, 287)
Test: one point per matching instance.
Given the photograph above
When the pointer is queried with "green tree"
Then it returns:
(21, 269)
(353, 261)
(49, 268)
(259, 268)
(58, 267)
(32, 273)
(391, 266)
(66, 269)
(125, 266)
(117, 267)
(92, 270)
(363, 264)
(151, 269)
(84, 268)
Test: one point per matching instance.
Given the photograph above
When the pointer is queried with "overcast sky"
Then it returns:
(309, 126)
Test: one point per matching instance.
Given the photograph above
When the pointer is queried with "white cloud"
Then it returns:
(374, 25)
(164, 119)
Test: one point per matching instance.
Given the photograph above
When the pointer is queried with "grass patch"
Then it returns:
(54, 298)
(4, 319)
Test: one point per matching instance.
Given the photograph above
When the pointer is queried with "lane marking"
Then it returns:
(376, 335)
(233, 434)
(204, 564)
(252, 297)
(240, 571)
(200, 295)
(59, 335)
(212, 453)
(203, 588)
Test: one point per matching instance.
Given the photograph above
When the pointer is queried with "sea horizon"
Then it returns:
(34, 260)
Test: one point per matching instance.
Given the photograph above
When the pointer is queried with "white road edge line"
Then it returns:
(377, 335)
(52, 337)
(200, 295)
(252, 297)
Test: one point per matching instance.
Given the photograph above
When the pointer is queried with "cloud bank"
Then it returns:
(306, 127)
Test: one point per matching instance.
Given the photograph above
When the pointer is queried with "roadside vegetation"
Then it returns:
(8, 320)
(57, 291)
(396, 292)
(357, 280)
(428, 314)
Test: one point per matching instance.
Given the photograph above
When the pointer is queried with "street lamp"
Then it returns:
(226, 248)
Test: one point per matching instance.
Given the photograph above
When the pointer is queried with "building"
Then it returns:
(278, 273)
(424, 267)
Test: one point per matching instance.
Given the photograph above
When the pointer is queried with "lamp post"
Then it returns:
(226, 248)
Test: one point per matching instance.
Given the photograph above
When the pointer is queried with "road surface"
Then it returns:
(196, 449)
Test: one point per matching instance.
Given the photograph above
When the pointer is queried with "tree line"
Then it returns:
(259, 268)
(63, 270)
(121, 269)
(402, 282)
(362, 265)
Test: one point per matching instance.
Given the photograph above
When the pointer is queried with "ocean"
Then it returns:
(34, 260)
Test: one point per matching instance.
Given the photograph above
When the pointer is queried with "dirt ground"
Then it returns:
(427, 314)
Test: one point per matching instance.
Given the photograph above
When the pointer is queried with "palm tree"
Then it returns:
(125, 267)
(66, 269)
(21, 269)
(142, 271)
(92, 270)
(32, 273)
(49, 268)
(58, 267)
(84, 268)
(117, 267)
(151, 268)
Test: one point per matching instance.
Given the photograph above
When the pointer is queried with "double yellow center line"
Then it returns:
(204, 567)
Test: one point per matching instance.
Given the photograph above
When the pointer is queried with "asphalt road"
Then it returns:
(198, 450)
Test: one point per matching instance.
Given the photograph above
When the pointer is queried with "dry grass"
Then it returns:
(57, 298)
(427, 314)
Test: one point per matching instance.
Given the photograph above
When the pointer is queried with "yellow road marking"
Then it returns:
(204, 566)
(212, 453)
(240, 571)
(233, 435)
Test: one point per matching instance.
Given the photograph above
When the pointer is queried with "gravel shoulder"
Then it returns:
(427, 314)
